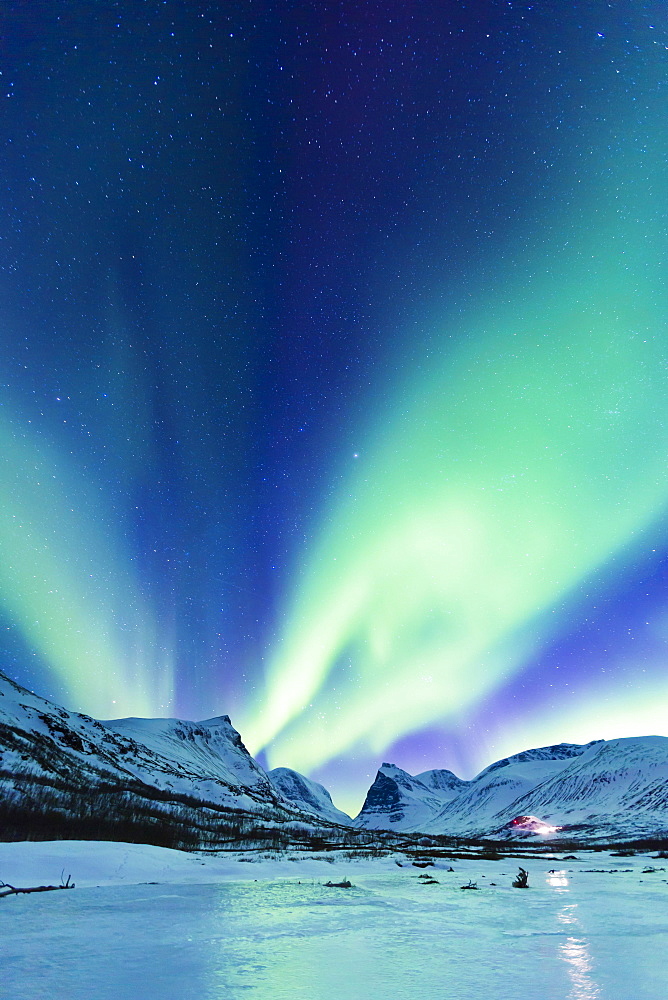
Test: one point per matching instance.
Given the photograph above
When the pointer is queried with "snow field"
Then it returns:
(209, 931)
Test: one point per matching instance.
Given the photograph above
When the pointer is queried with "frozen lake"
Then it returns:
(574, 935)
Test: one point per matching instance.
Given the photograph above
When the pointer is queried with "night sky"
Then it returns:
(333, 383)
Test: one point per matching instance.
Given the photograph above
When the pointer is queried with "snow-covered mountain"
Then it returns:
(307, 795)
(501, 784)
(604, 790)
(204, 760)
(399, 801)
(58, 768)
(614, 789)
(59, 761)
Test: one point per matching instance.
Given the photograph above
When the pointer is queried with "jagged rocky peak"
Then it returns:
(397, 797)
(397, 774)
(384, 792)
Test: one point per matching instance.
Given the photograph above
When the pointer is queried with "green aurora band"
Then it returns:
(502, 478)
(68, 586)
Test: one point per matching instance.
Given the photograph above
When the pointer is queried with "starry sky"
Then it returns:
(333, 372)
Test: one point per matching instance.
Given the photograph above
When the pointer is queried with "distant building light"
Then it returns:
(532, 824)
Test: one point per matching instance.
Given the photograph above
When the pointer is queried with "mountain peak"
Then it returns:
(218, 720)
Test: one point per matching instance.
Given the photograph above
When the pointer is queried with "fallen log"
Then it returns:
(10, 890)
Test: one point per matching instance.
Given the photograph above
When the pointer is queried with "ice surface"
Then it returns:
(208, 931)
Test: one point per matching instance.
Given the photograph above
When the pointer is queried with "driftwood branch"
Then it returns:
(10, 890)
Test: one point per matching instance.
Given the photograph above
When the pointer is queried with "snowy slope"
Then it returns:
(203, 754)
(604, 790)
(307, 795)
(202, 760)
(616, 788)
(46, 749)
(443, 783)
(495, 790)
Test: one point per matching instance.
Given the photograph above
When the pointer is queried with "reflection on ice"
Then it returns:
(558, 880)
(576, 953)
(568, 915)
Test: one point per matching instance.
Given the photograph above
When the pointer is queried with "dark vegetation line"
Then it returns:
(35, 809)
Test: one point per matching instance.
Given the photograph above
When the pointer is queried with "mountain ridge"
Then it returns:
(165, 781)
(151, 770)
(605, 789)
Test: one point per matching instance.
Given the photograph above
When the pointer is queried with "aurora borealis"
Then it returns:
(334, 372)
